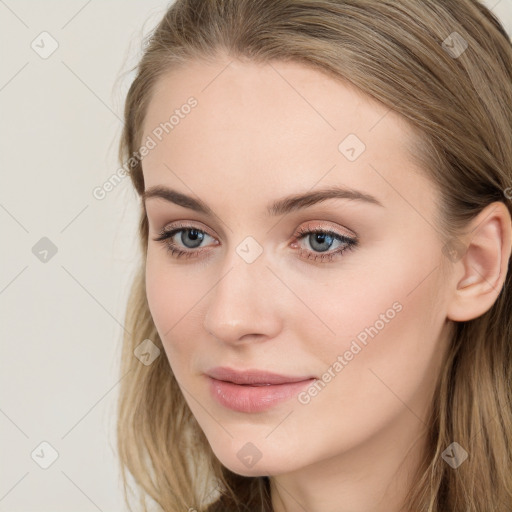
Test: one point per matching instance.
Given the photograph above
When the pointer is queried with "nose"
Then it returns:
(244, 304)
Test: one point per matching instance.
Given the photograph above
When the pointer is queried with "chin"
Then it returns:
(245, 459)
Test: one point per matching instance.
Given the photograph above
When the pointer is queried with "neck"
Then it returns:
(372, 477)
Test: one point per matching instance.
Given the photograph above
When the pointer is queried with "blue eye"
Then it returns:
(190, 237)
(320, 241)
(194, 235)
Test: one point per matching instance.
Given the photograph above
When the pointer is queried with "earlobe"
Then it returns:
(480, 273)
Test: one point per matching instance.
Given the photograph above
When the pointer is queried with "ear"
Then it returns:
(480, 262)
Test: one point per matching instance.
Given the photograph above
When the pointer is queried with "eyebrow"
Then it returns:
(278, 207)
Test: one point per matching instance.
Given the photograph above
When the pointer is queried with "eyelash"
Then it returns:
(350, 243)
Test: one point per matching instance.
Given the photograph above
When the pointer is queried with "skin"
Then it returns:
(260, 133)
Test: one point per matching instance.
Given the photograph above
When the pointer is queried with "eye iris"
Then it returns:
(320, 238)
(193, 234)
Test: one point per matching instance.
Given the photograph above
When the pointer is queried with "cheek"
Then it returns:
(161, 295)
(384, 325)
(169, 298)
(389, 342)
(175, 296)
(380, 299)
(172, 291)
(391, 374)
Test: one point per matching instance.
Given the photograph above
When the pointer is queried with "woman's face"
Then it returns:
(358, 307)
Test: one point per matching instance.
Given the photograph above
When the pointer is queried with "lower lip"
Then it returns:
(245, 398)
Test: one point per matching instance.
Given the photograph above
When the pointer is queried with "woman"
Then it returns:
(322, 317)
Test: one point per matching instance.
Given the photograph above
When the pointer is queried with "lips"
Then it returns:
(253, 377)
(253, 391)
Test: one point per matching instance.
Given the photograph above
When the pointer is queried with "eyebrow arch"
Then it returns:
(279, 207)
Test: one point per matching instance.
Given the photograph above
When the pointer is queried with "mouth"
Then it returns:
(253, 390)
(253, 377)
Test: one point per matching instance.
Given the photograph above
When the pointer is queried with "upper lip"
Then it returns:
(252, 376)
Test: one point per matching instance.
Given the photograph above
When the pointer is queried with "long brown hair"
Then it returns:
(412, 57)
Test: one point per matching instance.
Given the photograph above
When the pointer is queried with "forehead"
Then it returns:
(262, 127)
(276, 94)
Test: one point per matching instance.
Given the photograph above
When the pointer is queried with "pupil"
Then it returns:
(193, 234)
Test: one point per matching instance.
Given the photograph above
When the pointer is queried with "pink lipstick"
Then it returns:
(253, 390)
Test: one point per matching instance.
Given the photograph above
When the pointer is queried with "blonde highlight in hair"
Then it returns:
(461, 111)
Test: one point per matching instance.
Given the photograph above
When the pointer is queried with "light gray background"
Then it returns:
(61, 320)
